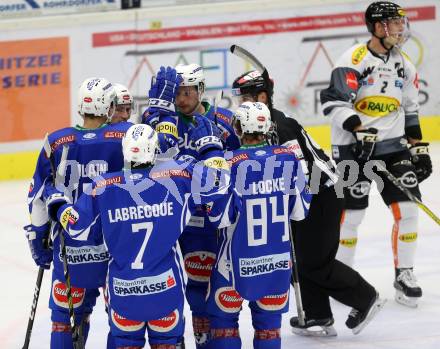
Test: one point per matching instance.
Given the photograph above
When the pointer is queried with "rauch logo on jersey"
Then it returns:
(377, 106)
(359, 54)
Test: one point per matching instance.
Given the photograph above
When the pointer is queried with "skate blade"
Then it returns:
(377, 306)
(410, 302)
(320, 331)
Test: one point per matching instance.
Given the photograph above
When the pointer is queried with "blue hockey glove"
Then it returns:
(421, 160)
(38, 239)
(54, 200)
(206, 135)
(162, 94)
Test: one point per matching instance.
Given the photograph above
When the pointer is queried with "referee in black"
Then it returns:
(316, 239)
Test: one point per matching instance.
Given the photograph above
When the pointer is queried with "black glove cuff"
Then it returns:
(414, 132)
(352, 122)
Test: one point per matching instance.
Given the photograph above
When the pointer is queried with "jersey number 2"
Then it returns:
(136, 227)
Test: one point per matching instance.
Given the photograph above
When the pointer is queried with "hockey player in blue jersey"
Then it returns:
(142, 211)
(94, 149)
(124, 104)
(175, 98)
(254, 260)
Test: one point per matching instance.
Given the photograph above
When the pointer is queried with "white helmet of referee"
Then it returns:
(253, 117)
(192, 75)
(96, 96)
(140, 144)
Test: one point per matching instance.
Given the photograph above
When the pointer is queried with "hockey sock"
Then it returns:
(201, 330)
(267, 339)
(225, 338)
(350, 221)
(404, 234)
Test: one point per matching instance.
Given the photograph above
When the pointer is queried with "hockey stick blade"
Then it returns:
(249, 57)
(217, 99)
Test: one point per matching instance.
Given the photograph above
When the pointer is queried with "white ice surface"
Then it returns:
(395, 327)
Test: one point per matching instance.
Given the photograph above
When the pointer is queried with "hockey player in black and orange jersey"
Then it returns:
(373, 104)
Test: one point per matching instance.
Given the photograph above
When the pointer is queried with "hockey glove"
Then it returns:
(38, 238)
(421, 160)
(206, 136)
(365, 143)
(54, 200)
(162, 94)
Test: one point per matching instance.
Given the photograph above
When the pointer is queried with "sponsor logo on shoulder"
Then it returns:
(114, 134)
(61, 141)
(238, 158)
(89, 135)
(108, 181)
(359, 54)
(408, 237)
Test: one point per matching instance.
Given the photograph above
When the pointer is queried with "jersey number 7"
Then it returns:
(136, 227)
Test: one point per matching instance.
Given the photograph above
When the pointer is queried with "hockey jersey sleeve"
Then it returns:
(211, 189)
(410, 100)
(36, 204)
(337, 100)
(301, 196)
(78, 219)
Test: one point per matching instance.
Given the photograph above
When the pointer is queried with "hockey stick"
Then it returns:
(33, 308)
(295, 281)
(58, 177)
(247, 56)
(410, 195)
(218, 97)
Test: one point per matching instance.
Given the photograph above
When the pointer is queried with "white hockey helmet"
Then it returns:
(140, 144)
(95, 97)
(192, 75)
(254, 117)
(123, 95)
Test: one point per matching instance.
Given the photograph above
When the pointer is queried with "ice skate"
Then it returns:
(314, 327)
(407, 290)
(357, 320)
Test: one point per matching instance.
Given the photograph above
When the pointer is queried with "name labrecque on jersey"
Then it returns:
(86, 254)
(144, 285)
(264, 265)
(140, 212)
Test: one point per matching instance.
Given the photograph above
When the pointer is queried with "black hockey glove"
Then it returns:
(421, 160)
(365, 143)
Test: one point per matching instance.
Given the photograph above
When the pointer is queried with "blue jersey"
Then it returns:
(254, 253)
(142, 213)
(92, 152)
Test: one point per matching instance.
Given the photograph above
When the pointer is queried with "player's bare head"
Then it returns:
(252, 87)
(140, 146)
(96, 98)
(252, 122)
(191, 89)
(388, 23)
(124, 104)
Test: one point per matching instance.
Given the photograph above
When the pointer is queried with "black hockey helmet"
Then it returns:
(252, 82)
(381, 11)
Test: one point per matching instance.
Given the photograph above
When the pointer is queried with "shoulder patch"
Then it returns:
(170, 173)
(108, 181)
(114, 134)
(359, 54)
(238, 158)
(223, 117)
(62, 140)
(283, 151)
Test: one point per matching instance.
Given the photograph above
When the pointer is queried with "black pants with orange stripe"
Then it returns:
(316, 241)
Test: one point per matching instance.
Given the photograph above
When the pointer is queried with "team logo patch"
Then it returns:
(59, 295)
(124, 324)
(409, 179)
(377, 106)
(228, 300)
(89, 135)
(408, 237)
(199, 264)
(165, 324)
(69, 215)
(348, 242)
(359, 190)
(359, 54)
(273, 302)
(351, 80)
